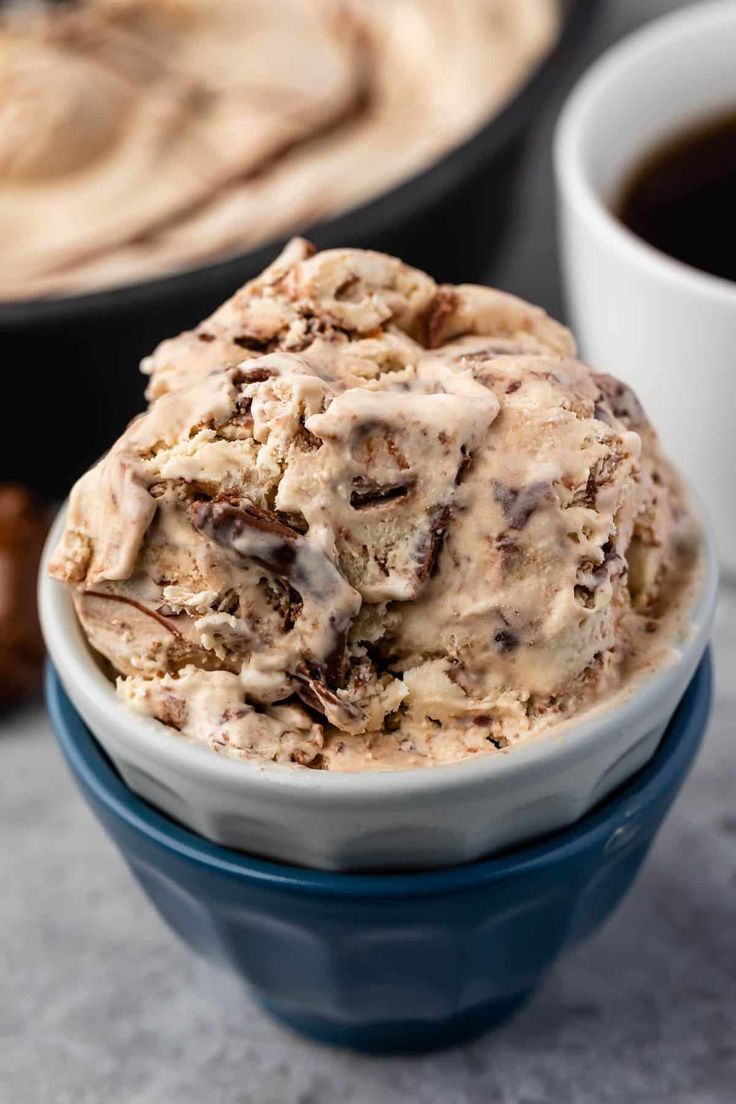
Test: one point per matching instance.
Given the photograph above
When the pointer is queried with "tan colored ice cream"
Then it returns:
(138, 136)
(368, 522)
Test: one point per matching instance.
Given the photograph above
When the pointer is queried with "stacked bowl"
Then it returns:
(390, 962)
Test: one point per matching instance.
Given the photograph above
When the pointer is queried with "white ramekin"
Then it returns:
(410, 819)
(667, 329)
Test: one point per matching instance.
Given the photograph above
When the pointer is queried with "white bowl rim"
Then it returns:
(609, 70)
(77, 668)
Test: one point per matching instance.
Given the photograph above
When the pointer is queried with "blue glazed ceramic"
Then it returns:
(397, 962)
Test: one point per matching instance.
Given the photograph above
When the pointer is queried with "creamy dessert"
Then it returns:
(370, 522)
(140, 136)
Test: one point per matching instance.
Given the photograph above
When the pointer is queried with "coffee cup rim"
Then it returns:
(610, 71)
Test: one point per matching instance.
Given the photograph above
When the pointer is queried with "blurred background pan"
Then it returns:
(71, 363)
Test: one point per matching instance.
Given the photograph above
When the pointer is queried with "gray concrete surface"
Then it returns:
(100, 1005)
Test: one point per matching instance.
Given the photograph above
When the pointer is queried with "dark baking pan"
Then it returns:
(71, 363)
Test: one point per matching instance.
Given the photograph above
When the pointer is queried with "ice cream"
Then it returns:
(139, 136)
(370, 522)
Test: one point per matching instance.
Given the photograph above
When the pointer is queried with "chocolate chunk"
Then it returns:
(429, 550)
(347, 288)
(228, 603)
(293, 609)
(513, 386)
(590, 492)
(336, 660)
(622, 400)
(614, 562)
(315, 692)
(125, 600)
(254, 344)
(368, 493)
(392, 721)
(465, 462)
(327, 600)
(226, 523)
(282, 597)
(241, 375)
(306, 440)
(293, 520)
(518, 505)
(171, 711)
(601, 473)
(373, 443)
(506, 641)
(432, 321)
(308, 757)
(612, 566)
(499, 742)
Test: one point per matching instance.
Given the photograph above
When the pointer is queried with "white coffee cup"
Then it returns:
(664, 327)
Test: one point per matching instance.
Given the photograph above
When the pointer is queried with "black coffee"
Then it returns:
(682, 197)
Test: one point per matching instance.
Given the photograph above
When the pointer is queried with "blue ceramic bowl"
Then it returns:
(396, 962)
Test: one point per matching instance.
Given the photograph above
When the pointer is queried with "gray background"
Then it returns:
(100, 1005)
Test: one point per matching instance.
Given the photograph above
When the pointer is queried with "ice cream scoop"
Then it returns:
(369, 522)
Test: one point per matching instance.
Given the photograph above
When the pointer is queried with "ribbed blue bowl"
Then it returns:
(396, 962)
